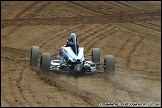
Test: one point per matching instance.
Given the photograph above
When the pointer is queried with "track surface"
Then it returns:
(131, 31)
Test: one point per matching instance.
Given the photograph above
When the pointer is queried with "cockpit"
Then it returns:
(73, 43)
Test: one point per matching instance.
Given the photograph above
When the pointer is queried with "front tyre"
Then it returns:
(34, 55)
(45, 62)
(109, 65)
(95, 55)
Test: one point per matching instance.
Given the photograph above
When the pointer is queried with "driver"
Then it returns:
(73, 43)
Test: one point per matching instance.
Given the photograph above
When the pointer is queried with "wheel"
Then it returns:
(34, 55)
(45, 62)
(109, 67)
(95, 55)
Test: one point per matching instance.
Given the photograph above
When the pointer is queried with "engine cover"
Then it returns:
(68, 53)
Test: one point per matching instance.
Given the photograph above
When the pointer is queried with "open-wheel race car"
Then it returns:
(71, 58)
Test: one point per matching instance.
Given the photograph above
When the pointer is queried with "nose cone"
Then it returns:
(78, 68)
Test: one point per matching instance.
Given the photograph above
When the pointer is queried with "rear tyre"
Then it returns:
(109, 67)
(34, 55)
(96, 56)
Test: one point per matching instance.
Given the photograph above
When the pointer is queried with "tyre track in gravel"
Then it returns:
(12, 53)
(18, 16)
(13, 87)
(130, 8)
(122, 46)
(61, 34)
(136, 6)
(8, 101)
(85, 19)
(129, 55)
(14, 80)
(146, 25)
(103, 7)
(12, 30)
(62, 82)
(154, 24)
(36, 10)
(3, 97)
(142, 34)
(90, 33)
(131, 52)
(96, 6)
(88, 7)
(27, 8)
(101, 37)
(18, 81)
(118, 5)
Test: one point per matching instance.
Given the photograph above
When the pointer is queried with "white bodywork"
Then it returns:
(67, 52)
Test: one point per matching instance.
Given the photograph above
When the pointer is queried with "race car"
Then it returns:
(71, 58)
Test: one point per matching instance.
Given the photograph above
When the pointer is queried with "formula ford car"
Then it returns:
(71, 58)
